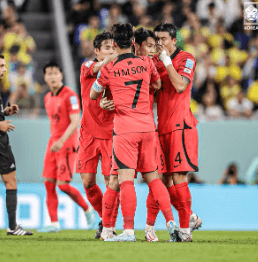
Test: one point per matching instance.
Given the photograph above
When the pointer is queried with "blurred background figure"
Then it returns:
(86, 38)
(192, 178)
(240, 106)
(230, 176)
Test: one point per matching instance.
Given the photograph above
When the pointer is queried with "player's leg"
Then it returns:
(7, 171)
(50, 174)
(168, 182)
(152, 213)
(11, 197)
(65, 163)
(147, 164)
(124, 160)
(11, 204)
(195, 221)
(86, 164)
(181, 153)
(184, 204)
(109, 207)
(152, 207)
(93, 191)
(52, 206)
(106, 160)
(161, 197)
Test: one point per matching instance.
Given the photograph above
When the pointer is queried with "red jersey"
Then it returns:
(151, 99)
(95, 121)
(59, 108)
(129, 78)
(173, 107)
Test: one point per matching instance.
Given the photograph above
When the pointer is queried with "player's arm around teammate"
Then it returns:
(96, 126)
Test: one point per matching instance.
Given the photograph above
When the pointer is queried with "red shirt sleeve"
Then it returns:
(73, 103)
(87, 69)
(154, 73)
(103, 76)
(187, 66)
(159, 66)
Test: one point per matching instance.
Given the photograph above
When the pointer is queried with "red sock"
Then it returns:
(52, 200)
(152, 209)
(128, 203)
(94, 195)
(75, 195)
(161, 197)
(115, 212)
(184, 201)
(173, 197)
(108, 202)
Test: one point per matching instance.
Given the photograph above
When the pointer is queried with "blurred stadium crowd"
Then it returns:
(226, 77)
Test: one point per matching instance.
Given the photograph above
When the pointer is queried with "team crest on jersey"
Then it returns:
(88, 64)
(189, 63)
(74, 102)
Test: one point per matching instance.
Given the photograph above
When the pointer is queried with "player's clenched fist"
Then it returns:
(57, 146)
(5, 126)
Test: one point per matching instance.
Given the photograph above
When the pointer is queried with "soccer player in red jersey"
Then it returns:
(134, 142)
(63, 110)
(176, 123)
(145, 43)
(96, 127)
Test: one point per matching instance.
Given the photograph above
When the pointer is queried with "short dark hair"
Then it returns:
(142, 34)
(166, 27)
(1, 56)
(100, 38)
(52, 64)
(123, 35)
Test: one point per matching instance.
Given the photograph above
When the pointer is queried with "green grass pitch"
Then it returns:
(79, 245)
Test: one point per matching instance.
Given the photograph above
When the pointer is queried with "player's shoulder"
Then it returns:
(146, 58)
(48, 95)
(68, 92)
(183, 54)
(87, 65)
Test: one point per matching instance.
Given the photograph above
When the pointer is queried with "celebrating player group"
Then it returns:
(117, 126)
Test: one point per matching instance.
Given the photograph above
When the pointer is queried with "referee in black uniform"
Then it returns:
(7, 162)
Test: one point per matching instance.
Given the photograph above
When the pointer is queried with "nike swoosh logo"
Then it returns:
(176, 166)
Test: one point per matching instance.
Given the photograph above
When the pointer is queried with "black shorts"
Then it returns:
(7, 161)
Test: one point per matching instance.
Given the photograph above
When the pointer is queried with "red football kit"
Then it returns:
(60, 165)
(96, 128)
(134, 142)
(161, 158)
(176, 122)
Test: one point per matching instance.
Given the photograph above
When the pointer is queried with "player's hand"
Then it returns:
(159, 49)
(104, 103)
(162, 53)
(111, 58)
(5, 126)
(57, 146)
(11, 109)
